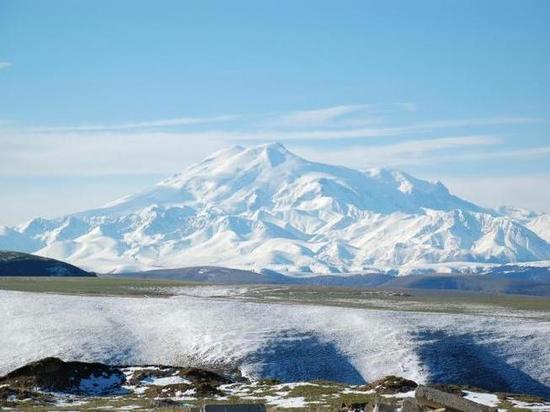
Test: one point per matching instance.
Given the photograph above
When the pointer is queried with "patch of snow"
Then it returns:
(169, 380)
(292, 385)
(210, 291)
(487, 399)
(69, 401)
(189, 394)
(280, 402)
(355, 391)
(533, 406)
(400, 395)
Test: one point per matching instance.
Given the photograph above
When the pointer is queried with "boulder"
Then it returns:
(429, 398)
(53, 374)
(392, 384)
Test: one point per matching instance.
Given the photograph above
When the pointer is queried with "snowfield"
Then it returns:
(265, 207)
(290, 342)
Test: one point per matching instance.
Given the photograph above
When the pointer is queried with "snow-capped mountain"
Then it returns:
(537, 222)
(265, 207)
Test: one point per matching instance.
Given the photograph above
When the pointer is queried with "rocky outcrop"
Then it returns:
(53, 374)
(50, 381)
(429, 399)
(392, 384)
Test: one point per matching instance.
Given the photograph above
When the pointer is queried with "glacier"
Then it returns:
(264, 207)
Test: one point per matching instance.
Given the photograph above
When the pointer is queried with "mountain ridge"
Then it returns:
(265, 207)
(24, 264)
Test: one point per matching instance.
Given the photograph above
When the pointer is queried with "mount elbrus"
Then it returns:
(267, 208)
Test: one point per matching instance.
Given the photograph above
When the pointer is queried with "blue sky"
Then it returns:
(102, 98)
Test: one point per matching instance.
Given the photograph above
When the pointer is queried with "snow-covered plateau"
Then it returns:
(266, 208)
(291, 342)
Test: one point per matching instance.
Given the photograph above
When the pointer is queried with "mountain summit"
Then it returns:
(265, 207)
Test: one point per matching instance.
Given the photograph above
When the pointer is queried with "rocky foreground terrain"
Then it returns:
(52, 384)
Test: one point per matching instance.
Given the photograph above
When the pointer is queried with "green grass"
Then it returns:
(330, 395)
(405, 300)
(443, 301)
(90, 286)
(313, 392)
(87, 404)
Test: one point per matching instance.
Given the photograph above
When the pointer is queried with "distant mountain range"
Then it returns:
(508, 279)
(264, 208)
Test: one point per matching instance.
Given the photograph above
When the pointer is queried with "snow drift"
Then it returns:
(288, 342)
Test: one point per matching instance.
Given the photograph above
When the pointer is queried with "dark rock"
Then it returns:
(53, 374)
(388, 407)
(198, 376)
(434, 398)
(410, 405)
(205, 389)
(141, 375)
(377, 405)
(355, 407)
(10, 396)
(166, 391)
(392, 384)
(205, 382)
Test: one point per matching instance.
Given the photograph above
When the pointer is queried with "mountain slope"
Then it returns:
(23, 264)
(537, 222)
(265, 207)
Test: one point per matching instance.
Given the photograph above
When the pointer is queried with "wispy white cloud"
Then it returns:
(491, 121)
(5, 65)
(317, 117)
(409, 152)
(103, 153)
(493, 191)
(148, 148)
(337, 122)
(179, 121)
(363, 114)
(361, 132)
(313, 135)
(343, 115)
(100, 153)
(520, 153)
(337, 135)
(432, 151)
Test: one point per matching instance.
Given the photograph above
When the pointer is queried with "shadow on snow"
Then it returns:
(460, 359)
(292, 358)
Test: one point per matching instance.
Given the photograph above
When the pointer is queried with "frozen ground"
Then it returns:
(292, 342)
